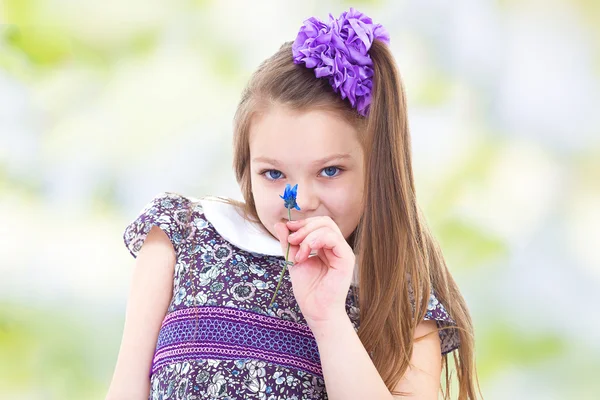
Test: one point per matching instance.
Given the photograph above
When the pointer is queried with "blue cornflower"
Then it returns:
(289, 197)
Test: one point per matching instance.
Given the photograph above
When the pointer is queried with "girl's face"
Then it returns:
(316, 149)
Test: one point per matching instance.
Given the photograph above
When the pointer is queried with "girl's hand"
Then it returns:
(321, 282)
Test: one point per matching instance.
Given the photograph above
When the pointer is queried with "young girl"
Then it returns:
(368, 310)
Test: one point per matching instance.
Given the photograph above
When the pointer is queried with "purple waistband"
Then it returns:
(226, 333)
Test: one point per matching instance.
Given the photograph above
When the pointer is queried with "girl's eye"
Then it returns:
(330, 171)
(274, 174)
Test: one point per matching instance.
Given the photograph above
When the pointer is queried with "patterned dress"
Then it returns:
(219, 339)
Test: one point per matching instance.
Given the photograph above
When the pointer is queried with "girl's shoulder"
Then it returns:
(180, 217)
(449, 335)
(171, 212)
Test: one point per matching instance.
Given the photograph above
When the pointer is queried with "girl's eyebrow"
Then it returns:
(324, 160)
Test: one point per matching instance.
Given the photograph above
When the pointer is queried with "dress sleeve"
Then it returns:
(169, 211)
(449, 336)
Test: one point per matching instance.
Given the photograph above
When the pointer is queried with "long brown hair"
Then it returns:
(395, 251)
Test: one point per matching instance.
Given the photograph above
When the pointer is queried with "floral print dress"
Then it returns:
(219, 339)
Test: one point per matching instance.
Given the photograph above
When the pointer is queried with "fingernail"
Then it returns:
(297, 256)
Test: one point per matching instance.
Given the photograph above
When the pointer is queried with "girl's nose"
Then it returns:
(307, 199)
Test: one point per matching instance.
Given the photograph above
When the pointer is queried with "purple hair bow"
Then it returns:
(339, 50)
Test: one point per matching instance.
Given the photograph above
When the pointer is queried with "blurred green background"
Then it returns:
(104, 104)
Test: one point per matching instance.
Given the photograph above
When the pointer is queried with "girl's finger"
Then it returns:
(281, 230)
(323, 238)
(303, 222)
(303, 252)
(307, 226)
(282, 234)
(296, 223)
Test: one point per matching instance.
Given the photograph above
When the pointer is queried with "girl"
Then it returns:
(368, 310)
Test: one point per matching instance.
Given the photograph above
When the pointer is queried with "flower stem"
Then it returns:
(287, 253)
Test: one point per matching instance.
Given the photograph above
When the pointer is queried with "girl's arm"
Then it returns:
(149, 297)
(350, 373)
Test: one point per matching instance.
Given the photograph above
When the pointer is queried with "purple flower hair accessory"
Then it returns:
(339, 50)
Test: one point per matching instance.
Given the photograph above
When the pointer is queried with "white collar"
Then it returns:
(232, 225)
(227, 219)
